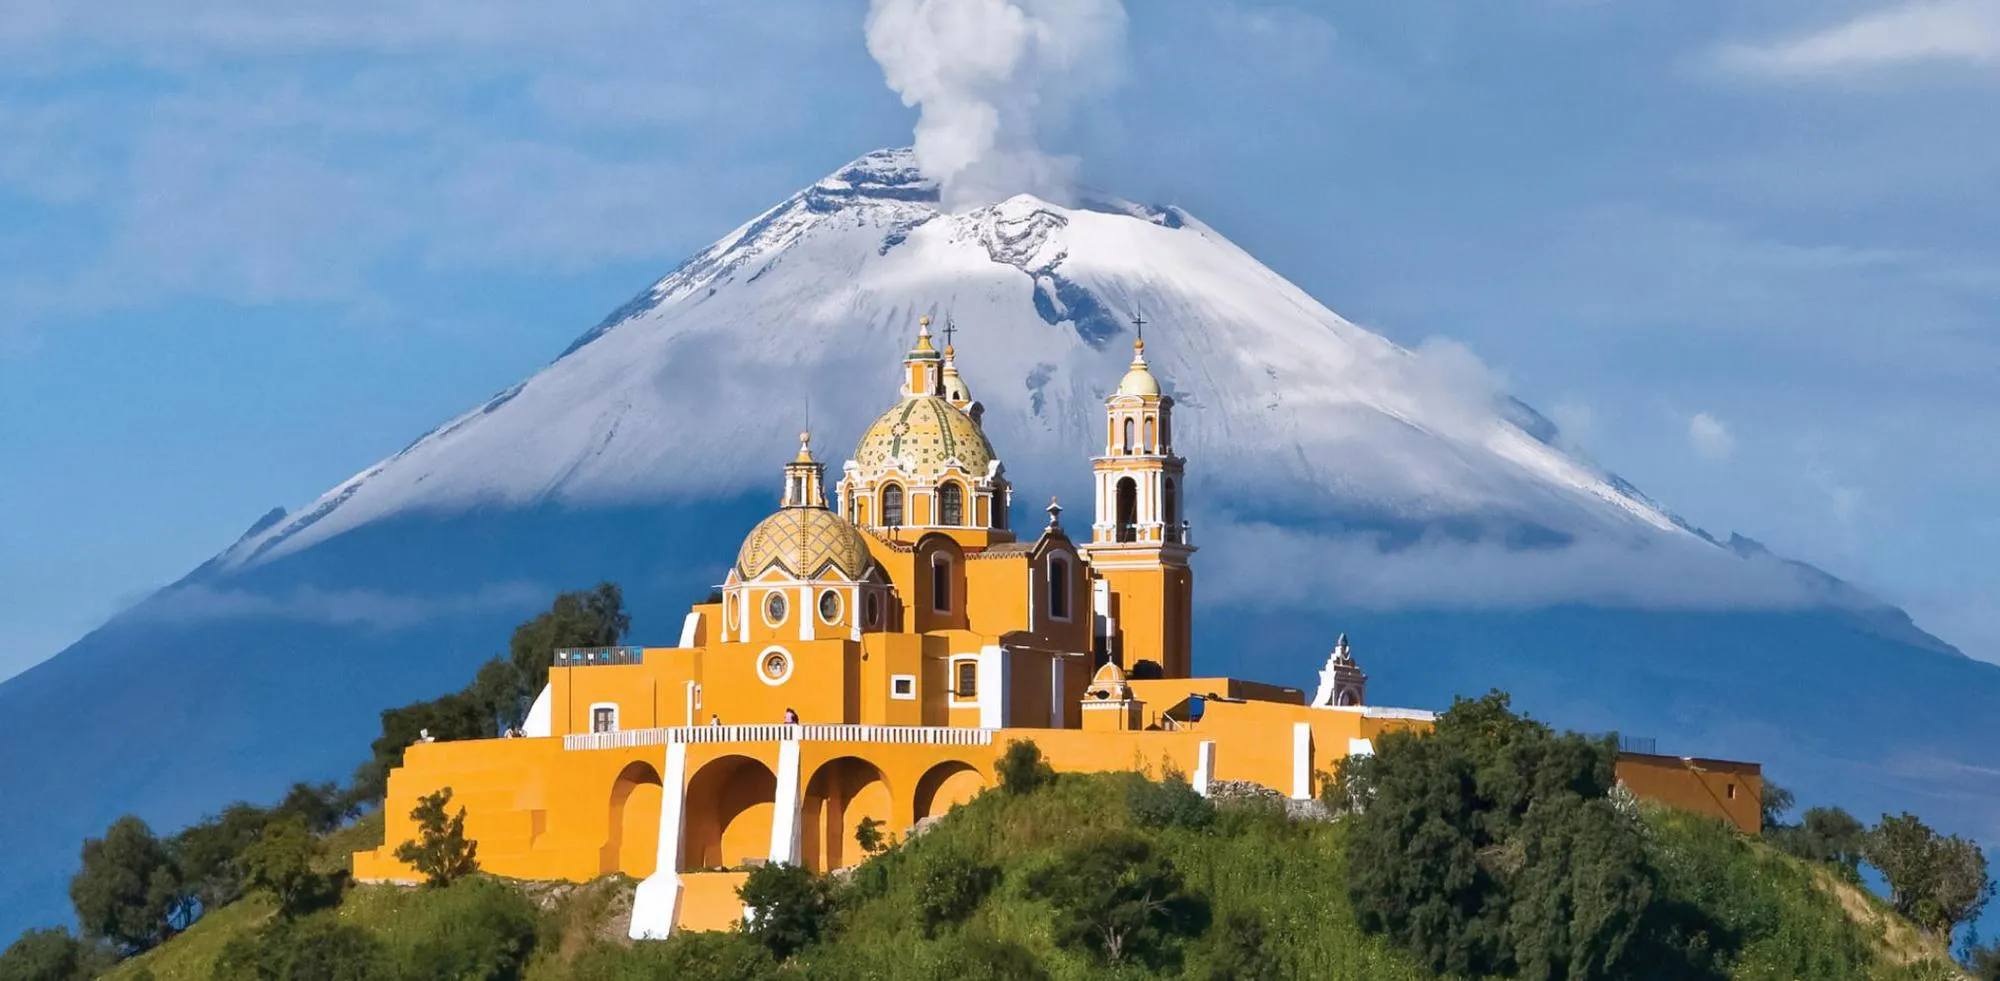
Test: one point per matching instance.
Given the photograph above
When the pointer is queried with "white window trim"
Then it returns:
(899, 679)
(791, 665)
(839, 607)
(592, 716)
(951, 681)
(764, 607)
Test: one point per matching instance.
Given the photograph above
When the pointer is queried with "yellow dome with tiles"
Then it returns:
(805, 543)
(922, 435)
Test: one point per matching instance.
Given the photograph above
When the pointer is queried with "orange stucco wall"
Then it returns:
(1726, 789)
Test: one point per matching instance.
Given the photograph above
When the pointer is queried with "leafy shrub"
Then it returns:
(788, 907)
(1937, 881)
(311, 949)
(970, 956)
(682, 957)
(280, 862)
(441, 851)
(1236, 950)
(1167, 803)
(1116, 897)
(478, 929)
(1021, 768)
(45, 955)
(949, 884)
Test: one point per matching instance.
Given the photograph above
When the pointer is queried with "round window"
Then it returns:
(774, 609)
(829, 605)
(774, 666)
(873, 608)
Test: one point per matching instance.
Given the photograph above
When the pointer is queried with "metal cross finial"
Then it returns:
(950, 328)
(1139, 323)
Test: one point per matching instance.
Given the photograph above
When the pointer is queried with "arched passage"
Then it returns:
(632, 839)
(841, 793)
(728, 819)
(946, 786)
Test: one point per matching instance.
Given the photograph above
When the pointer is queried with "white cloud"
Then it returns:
(1576, 423)
(1710, 437)
(1257, 564)
(1908, 32)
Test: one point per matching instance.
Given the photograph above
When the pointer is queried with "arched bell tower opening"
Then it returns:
(1127, 510)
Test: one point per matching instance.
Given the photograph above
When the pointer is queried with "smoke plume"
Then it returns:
(987, 77)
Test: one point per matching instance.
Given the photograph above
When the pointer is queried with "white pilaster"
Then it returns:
(656, 904)
(1056, 706)
(785, 809)
(808, 613)
(1302, 761)
(995, 706)
(688, 628)
(1204, 766)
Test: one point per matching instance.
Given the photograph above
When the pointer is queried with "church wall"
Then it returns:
(998, 587)
(1727, 789)
(820, 682)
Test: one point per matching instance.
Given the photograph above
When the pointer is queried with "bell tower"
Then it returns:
(1139, 542)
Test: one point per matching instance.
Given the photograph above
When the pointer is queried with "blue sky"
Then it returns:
(1742, 250)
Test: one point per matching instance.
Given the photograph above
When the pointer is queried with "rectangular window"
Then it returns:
(1731, 789)
(903, 686)
(604, 718)
(968, 680)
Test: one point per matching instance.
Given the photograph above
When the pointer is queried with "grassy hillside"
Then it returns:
(1771, 916)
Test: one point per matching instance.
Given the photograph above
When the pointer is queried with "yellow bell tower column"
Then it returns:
(1139, 542)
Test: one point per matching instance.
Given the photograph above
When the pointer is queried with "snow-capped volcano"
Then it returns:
(1337, 482)
(799, 316)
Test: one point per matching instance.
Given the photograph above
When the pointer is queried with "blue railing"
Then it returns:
(590, 657)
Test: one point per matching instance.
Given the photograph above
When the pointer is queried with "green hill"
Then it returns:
(1275, 891)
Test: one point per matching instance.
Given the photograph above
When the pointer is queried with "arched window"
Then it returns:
(1152, 437)
(951, 505)
(941, 584)
(1170, 506)
(892, 506)
(1059, 587)
(1128, 435)
(1128, 510)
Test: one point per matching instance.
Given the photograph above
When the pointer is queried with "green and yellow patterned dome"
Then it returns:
(920, 435)
(805, 543)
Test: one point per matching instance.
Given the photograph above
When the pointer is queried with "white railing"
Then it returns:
(908, 735)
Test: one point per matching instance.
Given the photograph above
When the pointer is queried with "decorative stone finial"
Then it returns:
(1055, 513)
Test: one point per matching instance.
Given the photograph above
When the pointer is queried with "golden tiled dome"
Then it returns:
(921, 434)
(806, 543)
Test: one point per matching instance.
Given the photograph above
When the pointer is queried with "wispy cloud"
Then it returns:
(334, 607)
(1904, 33)
(1710, 437)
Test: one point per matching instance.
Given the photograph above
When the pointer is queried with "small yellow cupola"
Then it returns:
(1139, 378)
(955, 390)
(1108, 703)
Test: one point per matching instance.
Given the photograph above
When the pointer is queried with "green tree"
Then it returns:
(208, 853)
(1488, 843)
(453, 716)
(280, 862)
(323, 806)
(1021, 768)
(441, 851)
(1236, 950)
(868, 834)
(1936, 881)
(1774, 803)
(787, 907)
(43, 955)
(128, 891)
(586, 618)
(950, 884)
(1116, 897)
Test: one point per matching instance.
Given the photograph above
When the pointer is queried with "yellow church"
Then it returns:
(871, 654)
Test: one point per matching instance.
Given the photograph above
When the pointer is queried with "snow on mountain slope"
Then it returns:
(800, 315)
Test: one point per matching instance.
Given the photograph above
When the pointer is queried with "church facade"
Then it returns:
(872, 650)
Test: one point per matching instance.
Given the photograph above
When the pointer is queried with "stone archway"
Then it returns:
(946, 786)
(632, 837)
(730, 801)
(841, 794)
